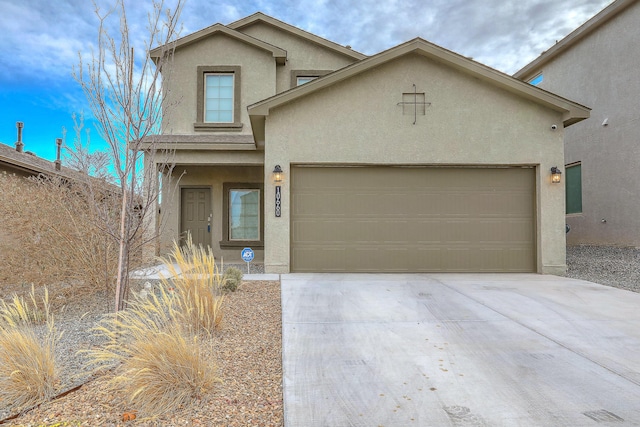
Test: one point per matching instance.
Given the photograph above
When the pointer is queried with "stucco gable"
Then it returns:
(571, 111)
(279, 54)
(260, 18)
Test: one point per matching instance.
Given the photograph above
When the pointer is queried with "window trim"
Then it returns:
(201, 124)
(306, 73)
(566, 180)
(225, 243)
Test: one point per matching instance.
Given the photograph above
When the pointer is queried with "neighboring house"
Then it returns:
(17, 161)
(597, 65)
(414, 159)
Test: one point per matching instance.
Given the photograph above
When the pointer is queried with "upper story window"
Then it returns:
(305, 79)
(300, 77)
(537, 80)
(218, 98)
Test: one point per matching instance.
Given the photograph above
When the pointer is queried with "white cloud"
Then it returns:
(42, 35)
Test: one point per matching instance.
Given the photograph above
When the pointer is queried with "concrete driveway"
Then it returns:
(459, 350)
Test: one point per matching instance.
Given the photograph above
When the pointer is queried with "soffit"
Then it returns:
(279, 54)
(573, 38)
(222, 142)
(261, 17)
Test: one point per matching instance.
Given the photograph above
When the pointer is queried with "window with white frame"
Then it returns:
(537, 80)
(244, 214)
(305, 79)
(218, 98)
(243, 222)
(300, 77)
(219, 103)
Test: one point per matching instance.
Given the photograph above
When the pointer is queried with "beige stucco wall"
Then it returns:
(204, 176)
(302, 54)
(601, 72)
(469, 122)
(258, 76)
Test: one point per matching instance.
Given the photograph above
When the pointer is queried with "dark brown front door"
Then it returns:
(196, 214)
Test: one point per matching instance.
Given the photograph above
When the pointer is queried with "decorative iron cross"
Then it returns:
(415, 102)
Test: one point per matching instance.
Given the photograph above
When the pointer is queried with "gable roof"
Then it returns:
(261, 17)
(279, 54)
(574, 37)
(572, 112)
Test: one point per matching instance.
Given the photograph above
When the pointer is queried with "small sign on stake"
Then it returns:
(247, 256)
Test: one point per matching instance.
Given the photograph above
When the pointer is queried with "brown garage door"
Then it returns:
(390, 219)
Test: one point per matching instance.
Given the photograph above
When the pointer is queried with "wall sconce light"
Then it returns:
(555, 175)
(277, 174)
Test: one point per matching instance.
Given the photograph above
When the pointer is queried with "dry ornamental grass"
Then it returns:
(247, 351)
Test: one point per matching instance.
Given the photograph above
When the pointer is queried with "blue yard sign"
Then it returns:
(247, 256)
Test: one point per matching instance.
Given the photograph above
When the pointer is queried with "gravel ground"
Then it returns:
(247, 350)
(612, 266)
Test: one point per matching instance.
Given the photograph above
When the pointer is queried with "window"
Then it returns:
(573, 186)
(218, 99)
(305, 79)
(300, 77)
(218, 94)
(243, 221)
(244, 214)
(537, 79)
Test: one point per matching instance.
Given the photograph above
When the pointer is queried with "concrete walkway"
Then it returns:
(459, 350)
(160, 271)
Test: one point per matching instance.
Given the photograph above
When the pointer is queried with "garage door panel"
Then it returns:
(412, 219)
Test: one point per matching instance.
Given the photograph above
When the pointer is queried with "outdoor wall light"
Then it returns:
(555, 175)
(277, 174)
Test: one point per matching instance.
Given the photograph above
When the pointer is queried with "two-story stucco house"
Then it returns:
(414, 159)
(597, 65)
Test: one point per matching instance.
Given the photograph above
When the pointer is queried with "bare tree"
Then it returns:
(123, 88)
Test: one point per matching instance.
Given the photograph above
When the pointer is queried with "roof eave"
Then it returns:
(261, 17)
(279, 54)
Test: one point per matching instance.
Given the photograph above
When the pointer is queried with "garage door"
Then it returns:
(406, 219)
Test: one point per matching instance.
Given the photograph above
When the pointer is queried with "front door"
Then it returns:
(195, 214)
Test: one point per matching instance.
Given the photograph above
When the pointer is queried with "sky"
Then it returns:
(40, 41)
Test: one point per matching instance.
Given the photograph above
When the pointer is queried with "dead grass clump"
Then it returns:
(157, 342)
(28, 372)
(21, 312)
(198, 283)
(161, 365)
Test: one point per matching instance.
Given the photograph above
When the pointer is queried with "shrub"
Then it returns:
(231, 279)
(28, 372)
(160, 363)
(195, 278)
(157, 343)
(58, 231)
(20, 312)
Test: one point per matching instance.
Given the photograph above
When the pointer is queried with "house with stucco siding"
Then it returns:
(597, 65)
(322, 159)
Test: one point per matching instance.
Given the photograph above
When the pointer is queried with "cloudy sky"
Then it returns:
(40, 41)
